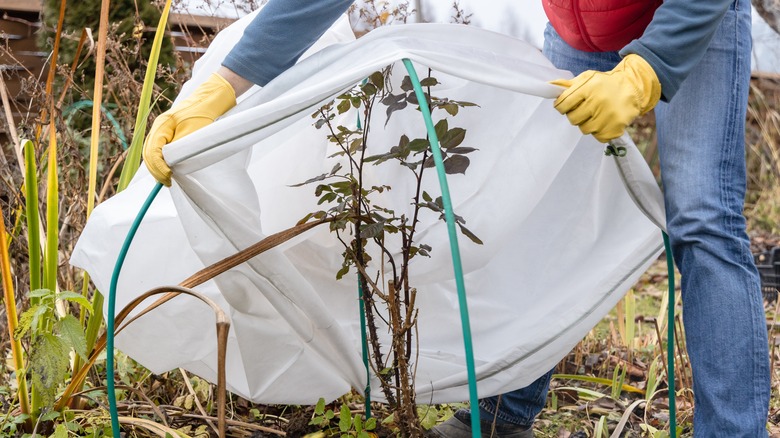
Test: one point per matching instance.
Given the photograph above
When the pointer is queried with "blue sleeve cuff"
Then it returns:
(279, 35)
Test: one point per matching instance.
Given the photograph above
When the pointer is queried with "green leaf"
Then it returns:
(311, 180)
(406, 84)
(393, 107)
(319, 409)
(379, 158)
(393, 98)
(429, 82)
(328, 197)
(345, 418)
(412, 98)
(76, 298)
(49, 416)
(426, 197)
(370, 231)
(72, 333)
(343, 187)
(419, 145)
(369, 89)
(343, 106)
(357, 421)
(356, 102)
(26, 320)
(456, 164)
(60, 432)
(304, 219)
(41, 293)
(428, 415)
(462, 150)
(316, 421)
(355, 145)
(370, 424)
(48, 364)
(452, 138)
(377, 79)
(466, 232)
(342, 272)
(441, 128)
(451, 109)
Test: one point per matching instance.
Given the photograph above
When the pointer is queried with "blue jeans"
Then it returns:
(702, 154)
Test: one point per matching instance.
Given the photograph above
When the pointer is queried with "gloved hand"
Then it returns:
(210, 100)
(604, 103)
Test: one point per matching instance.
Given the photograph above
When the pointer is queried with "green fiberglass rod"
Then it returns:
(670, 339)
(450, 218)
(112, 309)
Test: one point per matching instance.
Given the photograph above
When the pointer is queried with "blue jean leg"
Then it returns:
(701, 138)
(518, 407)
(702, 155)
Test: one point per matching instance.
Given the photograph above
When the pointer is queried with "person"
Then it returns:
(687, 59)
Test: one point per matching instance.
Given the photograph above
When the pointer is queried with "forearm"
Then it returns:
(676, 39)
(278, 36)
(238, 82)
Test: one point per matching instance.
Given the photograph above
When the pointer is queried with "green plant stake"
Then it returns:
(456, 263)
(670, 339)
(112, 309)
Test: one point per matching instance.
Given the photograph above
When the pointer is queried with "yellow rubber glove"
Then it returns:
(604, 103)
(210, 100)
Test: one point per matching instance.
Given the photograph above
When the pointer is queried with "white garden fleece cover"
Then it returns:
(563, 237)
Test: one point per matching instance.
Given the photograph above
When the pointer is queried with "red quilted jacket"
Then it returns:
(600, 25)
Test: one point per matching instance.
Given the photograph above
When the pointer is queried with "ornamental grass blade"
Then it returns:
(31, 213)
(51, 253)
(9, 300)
(133, 159)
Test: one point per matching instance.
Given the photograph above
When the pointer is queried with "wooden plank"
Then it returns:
(21, 5)
(191, 20)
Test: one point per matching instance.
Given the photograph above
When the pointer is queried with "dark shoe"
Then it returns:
(459, 426)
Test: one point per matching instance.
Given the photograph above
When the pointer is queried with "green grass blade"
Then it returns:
(51, 255)
(601, 430)
(599, 380)
(583, 393)
(133, 159)
(33, 221)
(95, 318)
(9, 299)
